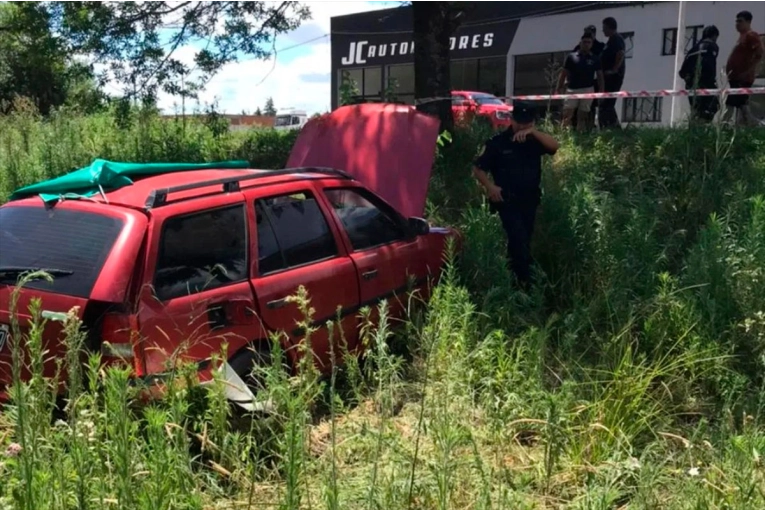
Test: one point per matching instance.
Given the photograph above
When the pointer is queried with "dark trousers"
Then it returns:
(518, 221)
(607, 107)
(704, 107)
(737, 100)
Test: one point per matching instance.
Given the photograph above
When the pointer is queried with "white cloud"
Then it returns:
(301, 82)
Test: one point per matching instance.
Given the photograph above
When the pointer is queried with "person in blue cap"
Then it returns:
(513, 159)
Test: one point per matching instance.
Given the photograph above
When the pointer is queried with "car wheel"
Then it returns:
(247, 362)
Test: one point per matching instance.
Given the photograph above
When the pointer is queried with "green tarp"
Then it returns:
(109, 175)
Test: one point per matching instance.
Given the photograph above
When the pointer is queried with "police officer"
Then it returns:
(513, 158)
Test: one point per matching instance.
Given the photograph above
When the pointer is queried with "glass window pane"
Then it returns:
(270, 257)
(69, 240)
(300, 228)
(669, 42)
(492, 75)
(629, 43)
(367, 223)
(372, 81)
(201, 252)
(464, 74)
(401, 79)
(350, 76)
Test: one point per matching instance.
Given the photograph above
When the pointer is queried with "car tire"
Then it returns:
(249, 357)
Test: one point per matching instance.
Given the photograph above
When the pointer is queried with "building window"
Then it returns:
(537, 73)
(464, 74)
(669, 39)
(361, 85)
(492, 75)
(400, 83)
(629, 43)
(642, 109)
(761, 69)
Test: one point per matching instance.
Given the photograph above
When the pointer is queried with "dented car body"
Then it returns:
(167, 265)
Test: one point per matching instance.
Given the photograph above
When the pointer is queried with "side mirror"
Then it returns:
(418, 226)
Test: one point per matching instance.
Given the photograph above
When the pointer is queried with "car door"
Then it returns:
(297, 244)
(196, 294)
(389, 261)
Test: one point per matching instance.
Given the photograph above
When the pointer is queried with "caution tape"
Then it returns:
(621, 94)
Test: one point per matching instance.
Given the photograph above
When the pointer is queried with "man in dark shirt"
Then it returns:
(699, 71)
(597, 46)
(597, 50)
(513, 158)
(614, 69)
(580, 70)
(741, 67)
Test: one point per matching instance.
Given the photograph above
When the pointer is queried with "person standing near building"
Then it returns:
(742, 67)
(614, 69)
(597, 50)
(699, 71)
(513, 158)
(581, 68)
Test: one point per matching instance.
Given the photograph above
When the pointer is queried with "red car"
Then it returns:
(466, 105)
(171, 264)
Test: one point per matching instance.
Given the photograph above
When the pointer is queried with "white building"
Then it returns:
(516, 48)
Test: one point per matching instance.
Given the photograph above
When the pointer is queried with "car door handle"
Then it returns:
(276, 303)
(369, 274)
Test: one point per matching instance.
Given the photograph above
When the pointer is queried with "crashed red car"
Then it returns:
(469, 105)
(167, 266)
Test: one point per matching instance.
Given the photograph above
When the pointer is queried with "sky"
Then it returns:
(299, 78)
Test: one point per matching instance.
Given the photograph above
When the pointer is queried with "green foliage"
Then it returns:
(349, 89)
(32, 149)
(137, 44)
(631, 376)
(35, 64)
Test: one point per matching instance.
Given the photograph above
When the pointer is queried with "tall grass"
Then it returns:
(630, 377)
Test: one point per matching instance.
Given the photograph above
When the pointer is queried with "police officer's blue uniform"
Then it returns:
(516, 167)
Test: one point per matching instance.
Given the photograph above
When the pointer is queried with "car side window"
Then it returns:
(201, 251)
(367, 221)
(292, 231)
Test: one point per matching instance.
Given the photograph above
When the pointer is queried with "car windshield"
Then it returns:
(282, 120)
(73, 245)
(483, 99)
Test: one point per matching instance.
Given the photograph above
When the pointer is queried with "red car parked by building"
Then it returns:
(168, 264)
(468, 105)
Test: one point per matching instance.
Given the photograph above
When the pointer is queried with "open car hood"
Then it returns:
(389, 148)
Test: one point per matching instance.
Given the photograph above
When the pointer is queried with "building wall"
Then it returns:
(497, 33)
(648, 69)
(377, 45)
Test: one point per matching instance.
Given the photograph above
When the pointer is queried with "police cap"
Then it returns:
(523, 112)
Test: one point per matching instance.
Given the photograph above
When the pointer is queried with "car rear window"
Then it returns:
(68, 240)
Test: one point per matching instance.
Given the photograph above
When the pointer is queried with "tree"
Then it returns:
(269, 109)
(258, 112)
(138, 43)
(34, 63)
(434, 23)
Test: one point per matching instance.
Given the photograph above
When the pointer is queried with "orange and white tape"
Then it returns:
(645, 93)
(622, 94)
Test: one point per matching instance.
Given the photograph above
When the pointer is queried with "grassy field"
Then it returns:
(631, 377)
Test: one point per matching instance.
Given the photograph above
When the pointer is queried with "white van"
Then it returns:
(290, 119)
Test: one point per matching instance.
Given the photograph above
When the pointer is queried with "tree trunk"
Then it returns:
(432, 81)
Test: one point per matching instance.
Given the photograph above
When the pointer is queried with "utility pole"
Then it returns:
(679, 55)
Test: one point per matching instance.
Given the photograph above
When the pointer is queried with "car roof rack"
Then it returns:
(158, 197)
